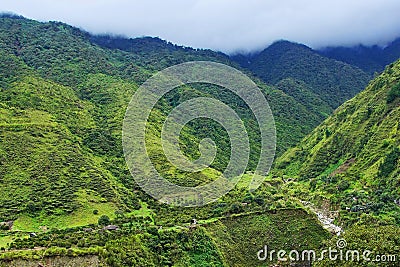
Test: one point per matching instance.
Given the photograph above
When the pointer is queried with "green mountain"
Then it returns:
(333, 82)
(98, 83)
(152, 52)
(353, 157)
(63, 98)
(42, 152)
(302, 91)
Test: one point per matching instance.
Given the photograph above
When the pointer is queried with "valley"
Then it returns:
(63, 97)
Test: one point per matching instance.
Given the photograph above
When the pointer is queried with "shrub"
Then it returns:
(236, 208)
(393, 93)
(104, 220)
(390, 162)
(343, 185)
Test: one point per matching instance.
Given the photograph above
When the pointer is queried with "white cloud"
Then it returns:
(227, 25)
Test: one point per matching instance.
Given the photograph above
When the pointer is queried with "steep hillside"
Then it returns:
(284, 101)
(45, 166)
(105, 79)
(63, 99)
(353, 156)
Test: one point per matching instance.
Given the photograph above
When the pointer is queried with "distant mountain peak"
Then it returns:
(331, 80)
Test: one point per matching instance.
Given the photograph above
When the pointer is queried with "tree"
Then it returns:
(390, 163)
(393, 93)
(104, 220)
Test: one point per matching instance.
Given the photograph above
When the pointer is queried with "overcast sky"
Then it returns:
(226, 25)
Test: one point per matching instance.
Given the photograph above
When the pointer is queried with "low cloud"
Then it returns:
(227, 25)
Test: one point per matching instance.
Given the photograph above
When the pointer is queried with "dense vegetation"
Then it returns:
(63, 95)
(138, 242)
(289, 229)
(63, 101)
(330, 81)
(353, 158)
(382, 242)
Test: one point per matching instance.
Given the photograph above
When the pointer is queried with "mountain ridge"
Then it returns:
(324, 77)
(371, 59)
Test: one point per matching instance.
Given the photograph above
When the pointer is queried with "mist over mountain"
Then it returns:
(227, 26)
(368, 58)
